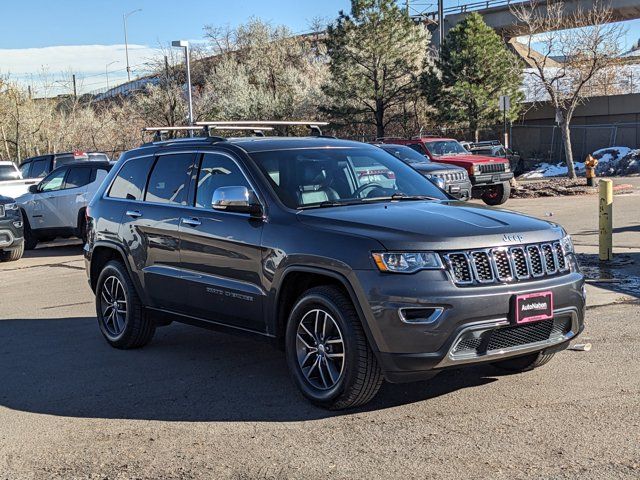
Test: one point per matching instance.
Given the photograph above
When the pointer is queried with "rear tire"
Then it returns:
(524, 364)
(122, 319)
(346, 373)
(497, 194)
(12, 255)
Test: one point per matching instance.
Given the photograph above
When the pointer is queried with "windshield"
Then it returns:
(318, 177)
(406, 154)
(8, 172)
(446, 147)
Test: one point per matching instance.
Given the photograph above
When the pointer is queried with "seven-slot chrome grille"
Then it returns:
(451, 177)
(506, 264)
(491, 167)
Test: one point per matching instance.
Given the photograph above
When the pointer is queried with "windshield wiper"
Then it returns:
(401, 197)
(327, 204)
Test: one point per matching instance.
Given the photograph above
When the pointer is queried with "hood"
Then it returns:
(4, 200)
(433, 225)
(427, 167)
(470, 159)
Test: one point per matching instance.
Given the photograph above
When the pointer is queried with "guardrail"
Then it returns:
(468, 7)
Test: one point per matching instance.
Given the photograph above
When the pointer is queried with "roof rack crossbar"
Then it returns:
(313, 125)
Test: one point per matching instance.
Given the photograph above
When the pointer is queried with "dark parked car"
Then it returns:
(284, 240)
(453, 180)
(11, 230)
(40, 167)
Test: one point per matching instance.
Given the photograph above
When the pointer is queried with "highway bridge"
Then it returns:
(498, 14)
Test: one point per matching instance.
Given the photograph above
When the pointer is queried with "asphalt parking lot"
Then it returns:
(198, 404)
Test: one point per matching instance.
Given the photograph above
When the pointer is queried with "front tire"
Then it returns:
(524, 364)
(121, 316)
(327, 351)
(497, 194)
(30, 240)
(12, 255)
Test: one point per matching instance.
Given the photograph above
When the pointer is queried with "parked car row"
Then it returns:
(52, 204)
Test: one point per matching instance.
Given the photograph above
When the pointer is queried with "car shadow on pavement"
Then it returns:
(54, 250)
(64, 367)
(620, 275)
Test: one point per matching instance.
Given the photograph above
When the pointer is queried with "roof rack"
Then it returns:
(313, 125)
(158, 131)
(258, 131)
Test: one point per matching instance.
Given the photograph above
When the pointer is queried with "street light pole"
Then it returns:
(126, 43)
(106, 71)
(185, 45)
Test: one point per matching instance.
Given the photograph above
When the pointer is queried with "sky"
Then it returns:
(43, 42)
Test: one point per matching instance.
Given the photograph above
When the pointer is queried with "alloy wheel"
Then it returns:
(113, 306)
(320, 349)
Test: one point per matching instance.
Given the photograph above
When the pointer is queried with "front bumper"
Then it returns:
(490, 179)
(459, 190)
(412, 351)
(11, 232)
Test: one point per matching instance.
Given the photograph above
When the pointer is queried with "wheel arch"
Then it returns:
(103, 252)
(295, 280)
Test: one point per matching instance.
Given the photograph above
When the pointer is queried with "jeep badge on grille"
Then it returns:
(512, 237)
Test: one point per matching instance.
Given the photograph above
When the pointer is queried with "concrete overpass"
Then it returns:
(497, 14)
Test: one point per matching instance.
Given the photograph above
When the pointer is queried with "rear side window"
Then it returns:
(170, 178)
(78, 177)
(130, 181)
(217, 171)
(39, 168)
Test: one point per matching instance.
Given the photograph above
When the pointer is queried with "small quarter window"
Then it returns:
(130, 181)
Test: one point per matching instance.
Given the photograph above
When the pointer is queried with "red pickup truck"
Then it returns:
(489, 175)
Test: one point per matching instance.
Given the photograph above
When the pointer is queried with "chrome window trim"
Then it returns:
(105, 195)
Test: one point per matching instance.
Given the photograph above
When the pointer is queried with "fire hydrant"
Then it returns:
(590, 170)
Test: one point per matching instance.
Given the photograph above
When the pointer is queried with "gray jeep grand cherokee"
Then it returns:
(283, 240)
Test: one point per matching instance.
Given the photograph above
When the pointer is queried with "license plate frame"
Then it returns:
(495, 179)
(533, 307)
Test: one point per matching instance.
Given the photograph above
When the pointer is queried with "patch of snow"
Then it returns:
(544, 170)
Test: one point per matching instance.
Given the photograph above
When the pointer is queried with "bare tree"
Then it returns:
(572, 52)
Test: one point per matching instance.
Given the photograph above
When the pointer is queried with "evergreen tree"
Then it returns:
(474, 69)
(375, 58)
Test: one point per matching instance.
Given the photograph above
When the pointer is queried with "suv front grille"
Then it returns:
(1, 211)
(505, 265)
(491, 167)
(451, 177)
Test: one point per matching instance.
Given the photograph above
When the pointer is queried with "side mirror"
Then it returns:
(33, 188)
(236, 199)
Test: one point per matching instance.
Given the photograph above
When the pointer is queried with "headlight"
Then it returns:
(475, 170)
(567, 244)
(435, 180)
(407, 262)
(507, 167)
(10, 206)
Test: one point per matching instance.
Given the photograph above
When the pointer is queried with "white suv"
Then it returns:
(56, 206)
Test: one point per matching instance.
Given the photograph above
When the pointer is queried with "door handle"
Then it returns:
(133, 213)
(194, 222)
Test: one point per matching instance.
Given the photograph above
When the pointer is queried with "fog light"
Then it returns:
(420, 315)
(17, 224)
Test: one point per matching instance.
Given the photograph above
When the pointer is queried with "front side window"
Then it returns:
(53, 181)
(341, 176)
(169, 179)
(446, 147)
(217, 171)
(78, 177)
(39, 168)
(131, 179)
